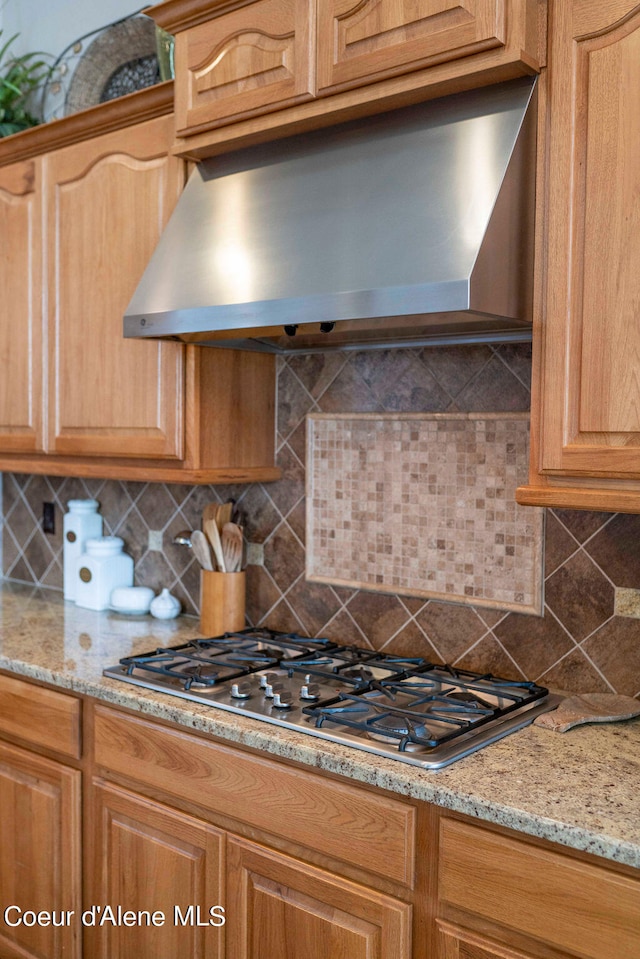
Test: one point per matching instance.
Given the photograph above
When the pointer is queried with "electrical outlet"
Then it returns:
(48, 518)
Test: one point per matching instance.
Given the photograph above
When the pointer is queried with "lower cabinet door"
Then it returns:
(40, 883)
(456, 944)
(157, 881)
(280, 908)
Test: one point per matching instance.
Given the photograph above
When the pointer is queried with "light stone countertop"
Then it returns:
(580, 789)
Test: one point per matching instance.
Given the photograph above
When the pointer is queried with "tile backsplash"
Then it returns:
(578, 644)
(423, 504)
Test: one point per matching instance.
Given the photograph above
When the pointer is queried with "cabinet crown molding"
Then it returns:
(174, 15)
(124, 111)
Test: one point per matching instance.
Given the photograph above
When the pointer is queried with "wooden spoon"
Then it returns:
(213, 536)
(224, 514)
(232, 544)
(202, 550)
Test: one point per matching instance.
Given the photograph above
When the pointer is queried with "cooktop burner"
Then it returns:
(402, 707)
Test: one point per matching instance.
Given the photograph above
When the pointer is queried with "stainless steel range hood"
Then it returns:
(412, 227)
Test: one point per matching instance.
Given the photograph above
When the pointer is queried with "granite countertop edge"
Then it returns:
(437, 787)
(579, 789)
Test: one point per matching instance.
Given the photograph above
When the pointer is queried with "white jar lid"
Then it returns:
(83, 505)
(104, 545)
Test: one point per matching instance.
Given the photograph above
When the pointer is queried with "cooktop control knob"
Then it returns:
(309, 691)
(267, 679)
(272, 688)
(241, 690)
(282, 699)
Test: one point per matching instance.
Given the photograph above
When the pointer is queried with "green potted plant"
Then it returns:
(20, 77)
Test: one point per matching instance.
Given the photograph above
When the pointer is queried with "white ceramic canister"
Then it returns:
(102, 568)
(81, 523)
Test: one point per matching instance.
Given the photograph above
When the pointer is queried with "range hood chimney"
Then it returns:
(411, 227)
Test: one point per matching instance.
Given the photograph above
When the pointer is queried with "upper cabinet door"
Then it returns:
(254, 59)
(20, 309)
(363, 40)
(591, 389)
(107, 200)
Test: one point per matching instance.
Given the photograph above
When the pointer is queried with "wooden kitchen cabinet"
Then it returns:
(258, 69)
(322, 867)
(455, 943)
(150, 858)
(357, 42)
(40, 840)
(107, 199)
(21, 341)
(250, 59)
(276, 902)
(586, 387)
(502, 896)
(88, 196)
(175, 818)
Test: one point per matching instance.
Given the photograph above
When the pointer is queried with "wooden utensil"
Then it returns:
(232, 544)
(589, 708)
(213, 536)
(209, 512)
(220, 513)
(223, 514)
(202, 549)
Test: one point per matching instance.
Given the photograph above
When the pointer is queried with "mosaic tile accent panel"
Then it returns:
(424, 505)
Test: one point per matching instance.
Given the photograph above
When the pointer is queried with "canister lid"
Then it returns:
(104, 545)
(83, 505)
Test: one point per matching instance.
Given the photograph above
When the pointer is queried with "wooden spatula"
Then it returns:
(223, 514)
(209, 512)
(213, 535)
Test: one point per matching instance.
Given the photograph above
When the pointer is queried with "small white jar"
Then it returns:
(165, 606)
(81, 523)
(102, 568)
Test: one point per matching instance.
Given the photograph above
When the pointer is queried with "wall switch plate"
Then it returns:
(48, 518)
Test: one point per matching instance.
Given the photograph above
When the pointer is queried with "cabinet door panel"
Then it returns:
(541, 894)
(151, 858)
(20, 309)
(281, 907)
(361, 41)
(249, 60)
(39, 852)
(454, 943)
(591, 397)
(107, 201)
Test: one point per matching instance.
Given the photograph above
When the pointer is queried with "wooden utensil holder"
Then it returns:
(222, 602)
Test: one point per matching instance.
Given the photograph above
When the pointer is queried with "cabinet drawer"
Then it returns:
(247, 61)
(585, 909)
(360, 42)
(40, 716)
(372, 832)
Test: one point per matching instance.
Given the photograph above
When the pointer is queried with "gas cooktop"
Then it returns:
(399, 707)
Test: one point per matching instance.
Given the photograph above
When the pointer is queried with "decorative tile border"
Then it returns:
(424, 505)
